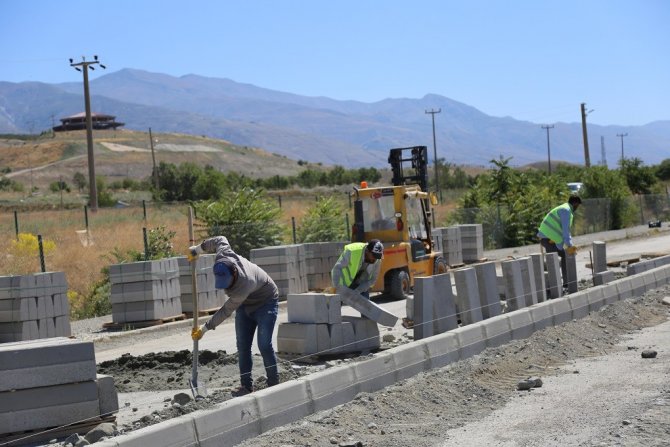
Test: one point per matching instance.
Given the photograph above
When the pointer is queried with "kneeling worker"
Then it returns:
(254, 298)
(358, 266)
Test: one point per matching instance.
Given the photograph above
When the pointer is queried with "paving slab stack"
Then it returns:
(50, 383)
(145, 291)
(320, 257)
(285, 264)
(448, 241)
(316, 326)
(472, 242)
(209, 298)
(34, 306)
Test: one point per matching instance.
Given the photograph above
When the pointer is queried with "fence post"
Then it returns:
(279, 200)
(41, 249)
(639, 196)
(295, 241)
(349, 195)
(16, 224)
(86, 217)
(144, 210)
(146, 243)
(346, 223)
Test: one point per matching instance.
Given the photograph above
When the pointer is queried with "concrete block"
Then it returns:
(661, 275)
(599, 256)
(637, 284)
(342, 338)
(528, 278)
(542, 315)
(283, 403)
(467, 300)
(497, 330)
(44, 407)
(596, 298)
(610, 293)
(555, 283)
(54, 361)
(297, 338)
(624, 287)
(107, 397)
(423, 306)
(18, 309)
(571, 264)
(521, 323)
(410, 359)
(488, 289)
(603, 278)
(538, 272)
(314, 308)
(18, 331)
(562, 311)
(580, 304)
(514, 288)
(442, 349)
(444, 305)
(171, 433)
(367, 308)
(332, 387)
(471, 339)
(366, 333)
(375, 373)
(228, 423)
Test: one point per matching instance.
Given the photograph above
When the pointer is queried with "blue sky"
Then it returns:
(529, 59)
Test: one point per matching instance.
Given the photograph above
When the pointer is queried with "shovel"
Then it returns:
(197, 387)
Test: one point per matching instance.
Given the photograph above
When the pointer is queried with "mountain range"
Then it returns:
(319, 129)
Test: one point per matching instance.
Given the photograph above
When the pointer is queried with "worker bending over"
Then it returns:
(358, 266)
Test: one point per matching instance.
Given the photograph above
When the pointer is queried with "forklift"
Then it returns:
(400, 217)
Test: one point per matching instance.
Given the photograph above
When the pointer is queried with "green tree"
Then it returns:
(79, 181)
(663, 170)
(323, 222)
(640, 178)
(248, 218)
(600, 182)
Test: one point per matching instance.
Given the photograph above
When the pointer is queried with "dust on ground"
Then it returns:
(417, 411)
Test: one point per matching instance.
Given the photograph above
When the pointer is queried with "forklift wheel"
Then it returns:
(399, 286)
(440, 266)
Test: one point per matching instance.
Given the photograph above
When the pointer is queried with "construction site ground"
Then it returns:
(597, 389)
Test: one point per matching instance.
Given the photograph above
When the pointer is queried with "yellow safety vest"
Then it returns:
(551, 224)
(356, 250)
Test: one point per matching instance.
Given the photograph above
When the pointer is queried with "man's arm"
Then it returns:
(341, 264)
(565, 227)
(372, 278)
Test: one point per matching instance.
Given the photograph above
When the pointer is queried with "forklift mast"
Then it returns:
(416, 172)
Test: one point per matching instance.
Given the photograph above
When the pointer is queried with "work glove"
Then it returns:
(193, 253)
(572, 250)
(197, 333)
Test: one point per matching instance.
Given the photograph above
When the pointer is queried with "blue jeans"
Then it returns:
(264, 319)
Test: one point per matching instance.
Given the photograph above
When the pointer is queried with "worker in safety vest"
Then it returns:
(358, 266)
(554, 232)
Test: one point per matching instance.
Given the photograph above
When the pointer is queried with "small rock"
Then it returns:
(525, 385)
(134, 409)
(333, 440)
(372, 426)
(666, 301)
(82, 442)
(575, 371)
(626, 422)
(106, 429)
(602, 326)
(72, 439)
(537, 382)
(649, 354)
(388, 338)
(351, 444)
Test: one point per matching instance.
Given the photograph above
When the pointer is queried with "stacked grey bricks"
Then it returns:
(145, 291)
(448, 241)
(286, 266)
(320, 257)
(34, 306)
(316, 326)
(51, 383)
(208, 297)
(472, 242)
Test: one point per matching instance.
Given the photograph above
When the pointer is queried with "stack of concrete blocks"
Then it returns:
(51, 383)
(540, 281)
(554, 281)
(145, 291)
(489, 298)
(448, 241)
(601, 275)
(472, 242)
(34, 306)
(467, 295)
(208, 297)
(286, 265)
(316, 326)
(320, 257)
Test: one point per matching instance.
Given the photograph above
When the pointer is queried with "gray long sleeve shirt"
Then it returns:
(252, 288)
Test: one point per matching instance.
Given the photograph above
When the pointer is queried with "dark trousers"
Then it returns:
(550, 247)
(263, 319)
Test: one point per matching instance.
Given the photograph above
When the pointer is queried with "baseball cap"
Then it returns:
(376, 248)
(223, 274)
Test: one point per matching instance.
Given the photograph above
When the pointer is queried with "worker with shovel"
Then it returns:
(254, 298)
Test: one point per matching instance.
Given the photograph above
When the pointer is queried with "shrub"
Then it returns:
(323, 222)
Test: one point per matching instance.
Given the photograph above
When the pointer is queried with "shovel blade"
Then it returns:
(198, 388)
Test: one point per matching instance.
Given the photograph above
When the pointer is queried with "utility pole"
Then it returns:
(437, 183)
(621, 135)
(603, 160)
(547, 127)
(587, 159)
(153, 157)
(84, 66)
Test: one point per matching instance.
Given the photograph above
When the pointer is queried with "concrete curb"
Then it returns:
(238, 419)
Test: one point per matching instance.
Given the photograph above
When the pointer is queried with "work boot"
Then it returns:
(242, 391)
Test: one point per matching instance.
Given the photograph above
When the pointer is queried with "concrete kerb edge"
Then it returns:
(367, 382)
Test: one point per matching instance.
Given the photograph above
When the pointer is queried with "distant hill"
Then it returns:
(319, 129)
